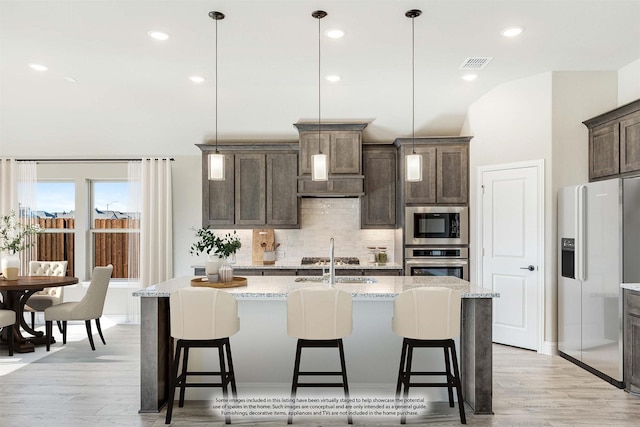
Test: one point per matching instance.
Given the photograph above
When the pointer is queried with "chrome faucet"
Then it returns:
(332, 265)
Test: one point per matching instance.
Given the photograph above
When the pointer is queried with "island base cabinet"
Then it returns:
(372, 353)
(156, 354)
(632, 341)
(476, 338)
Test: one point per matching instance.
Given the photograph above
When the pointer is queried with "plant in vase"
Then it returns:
(220, 249)
(13, 239)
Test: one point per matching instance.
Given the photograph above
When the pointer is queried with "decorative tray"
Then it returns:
(203, 281)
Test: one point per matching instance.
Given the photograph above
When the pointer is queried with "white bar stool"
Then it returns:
(205, 318)
(319, 318)
(428, 317)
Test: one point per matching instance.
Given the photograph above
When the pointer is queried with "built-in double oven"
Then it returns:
(437, 241)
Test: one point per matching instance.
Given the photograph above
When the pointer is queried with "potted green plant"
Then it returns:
(13, 239)
(221, 250)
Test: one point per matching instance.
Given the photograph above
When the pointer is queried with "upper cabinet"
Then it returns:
(378, 205)
(614, 142)
(259, 189)
(342, 143)
(445, 171)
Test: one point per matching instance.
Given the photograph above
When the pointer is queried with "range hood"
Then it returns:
(336, 186)
(343, 144)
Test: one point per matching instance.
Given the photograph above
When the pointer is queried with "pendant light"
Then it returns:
(413, 161)
(216, 160)
(320, 161)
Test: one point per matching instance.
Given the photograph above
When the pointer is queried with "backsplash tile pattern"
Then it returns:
(321, 219)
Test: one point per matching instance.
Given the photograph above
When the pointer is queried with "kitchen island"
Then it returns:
(263, 353)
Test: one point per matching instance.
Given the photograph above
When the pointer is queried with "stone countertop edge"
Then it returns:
(388, 266)
(278, 287)
(631, 286)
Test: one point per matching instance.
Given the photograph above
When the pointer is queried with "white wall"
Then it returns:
(538, 117)
(511, 123)
(629, 83)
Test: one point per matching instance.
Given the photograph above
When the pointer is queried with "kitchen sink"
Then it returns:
(338, 279)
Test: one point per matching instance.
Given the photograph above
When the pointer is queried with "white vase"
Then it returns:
(225, 273)
(10, 266)
(213, 264)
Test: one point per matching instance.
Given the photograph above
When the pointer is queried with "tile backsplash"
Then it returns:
(321, 219)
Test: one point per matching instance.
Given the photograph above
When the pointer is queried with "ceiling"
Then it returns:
(133, 95)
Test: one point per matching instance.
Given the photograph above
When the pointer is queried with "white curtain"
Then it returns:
(151, 195)
(8, 187)
(18, 183)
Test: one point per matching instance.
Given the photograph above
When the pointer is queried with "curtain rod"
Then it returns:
(87, 160)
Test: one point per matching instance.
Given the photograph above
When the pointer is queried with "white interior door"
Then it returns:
(511, 221)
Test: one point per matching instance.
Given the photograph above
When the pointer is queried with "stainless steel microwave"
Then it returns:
(436, 225)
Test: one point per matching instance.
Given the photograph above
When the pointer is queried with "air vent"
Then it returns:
(475, 63)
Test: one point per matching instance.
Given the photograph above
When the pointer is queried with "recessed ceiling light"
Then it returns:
(196, 79)
(70, 79)
(469, 77)
(158, 35)
(334, 33)
(333, 78)
(38, 67)
(512, 31)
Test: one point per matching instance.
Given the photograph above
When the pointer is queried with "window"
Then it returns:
(55, 211)
(115, 228)
(73, 192)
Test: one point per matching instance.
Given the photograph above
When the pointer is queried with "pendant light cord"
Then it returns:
(413, 85)
(216, 84)
(319, 92)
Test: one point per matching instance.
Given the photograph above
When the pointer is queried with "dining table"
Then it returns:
(15, 294)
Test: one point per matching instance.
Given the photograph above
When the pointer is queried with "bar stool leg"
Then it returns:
(407, 384)
(224, 381)
(232, 373)
(403, 358)
(294, 383)
(463, 418)
(343, 366)
(450, 383)
(182, 381)
(172, 383)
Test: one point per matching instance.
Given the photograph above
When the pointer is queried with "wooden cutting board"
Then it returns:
(267, 236)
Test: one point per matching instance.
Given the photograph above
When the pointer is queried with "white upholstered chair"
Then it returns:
(88, 308)
(319, 318)
(48, 296)
(205, 318)
(7, 320)
(428, 317)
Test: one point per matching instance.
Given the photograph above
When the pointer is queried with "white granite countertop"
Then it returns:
(287, 266)
(277, 287)
(631, 286)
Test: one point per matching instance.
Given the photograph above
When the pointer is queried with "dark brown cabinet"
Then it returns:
(632, 340)
(445, 171)
(260, 188)
(378, 205)
(250, 185)
(342, 143)
(614, 142)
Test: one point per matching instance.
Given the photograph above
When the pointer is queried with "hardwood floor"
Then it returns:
(74, 386)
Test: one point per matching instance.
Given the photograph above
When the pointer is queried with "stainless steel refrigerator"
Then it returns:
(599, 247)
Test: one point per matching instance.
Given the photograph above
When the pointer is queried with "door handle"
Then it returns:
(530, 268)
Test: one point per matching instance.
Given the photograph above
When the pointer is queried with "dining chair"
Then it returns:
(7, 320)
(319, 318)
(88, 308)
(47, 297)
(428, 317)
(202, 318)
